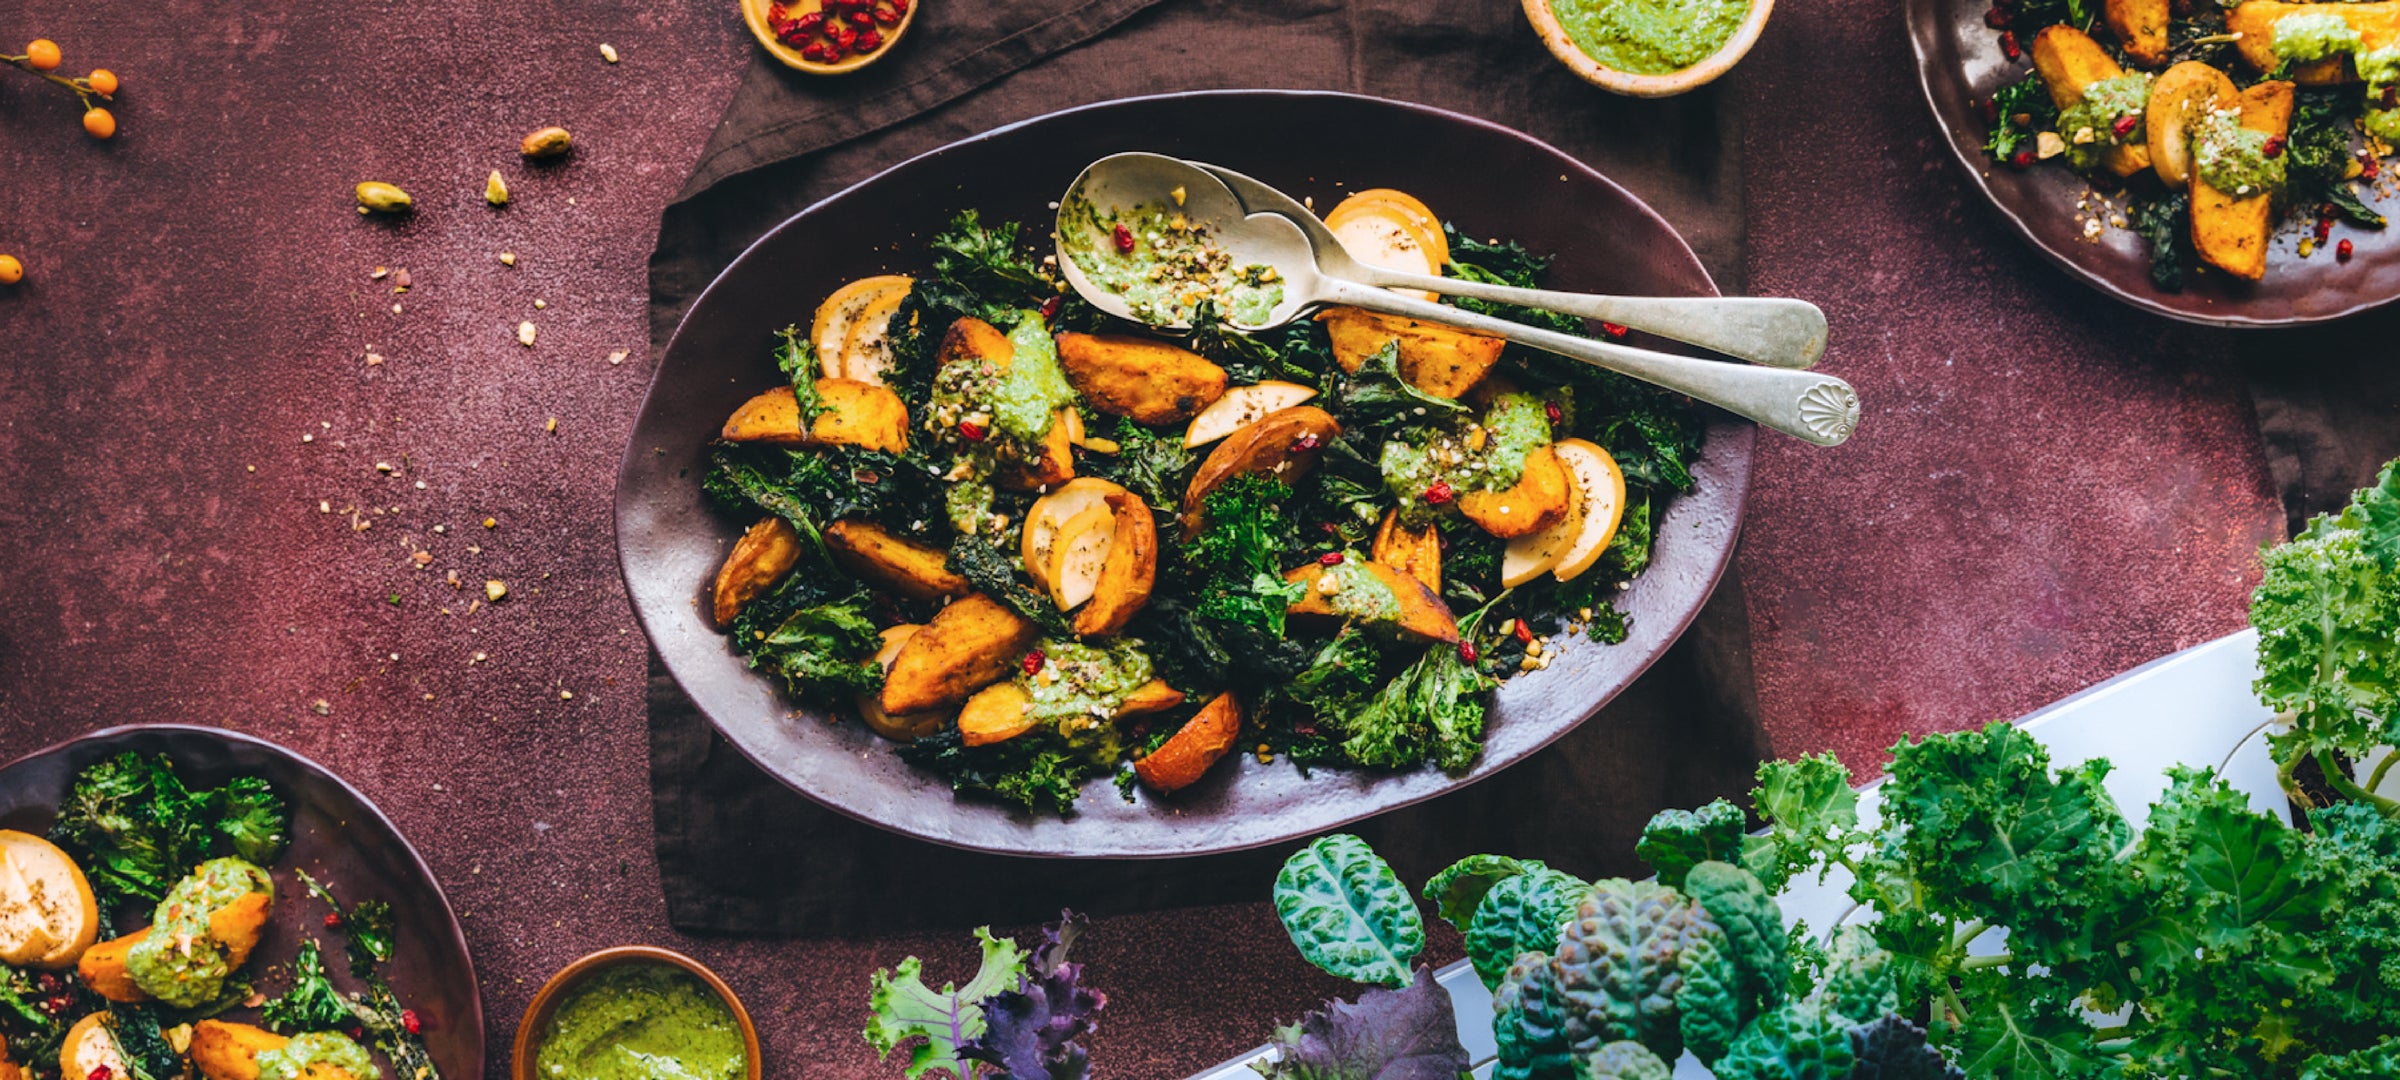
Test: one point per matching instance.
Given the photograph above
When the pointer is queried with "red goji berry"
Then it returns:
(99, 1072)
(1124, 238)
(332, 920)
(970, 430)
(887, 16)
(808, 24)
(2342, 252)
(1033, 661)
(2273, 147)
(1466, 651)
(1996, 18)
(861, 18)
(2008, 44)
(1524, 632)
(1306, 443)
(2125, 124)
(869, 40)
(1439, 493)
(2023, 159)
(1050, 307)
(408, 1019)
(1615, 330)
(1330, 558)
(1551, 410)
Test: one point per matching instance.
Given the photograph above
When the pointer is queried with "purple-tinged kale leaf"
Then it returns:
(1405, 1034)
(1030, 1032)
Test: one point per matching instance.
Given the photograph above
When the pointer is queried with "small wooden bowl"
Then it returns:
(1545, 23)
(545, 1001)
(754, 12)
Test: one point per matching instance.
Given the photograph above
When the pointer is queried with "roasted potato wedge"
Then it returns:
(909, 727)
(1150, 381)
(852, 414)
(2179, 99)
(971, 644)
(976, 339)
(1286, 443)
(1187, 754)
(238, 924)
(103, 969)
(1056, 465)
(2378, 25)
(1537, 501)
(1433, 358)
(1130, 572)
(758, 560)
(225, 1051)
(2141, 28)
(894, 561)
(1416, 552)
(997, 713)
(2069, 61)
(1150, 697)
(2229, 231)
(1414, 610)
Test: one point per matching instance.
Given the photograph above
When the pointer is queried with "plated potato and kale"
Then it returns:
(2221, 122)
(1034, 548)
(133, 845)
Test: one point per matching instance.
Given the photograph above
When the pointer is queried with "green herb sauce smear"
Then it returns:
(177, 961)
(2090, 125)
(1167, 266)
(1028, 396)
(2307, 37)
(292, 1060)
(2233, 159)
(642, 1022)
(1650, 37)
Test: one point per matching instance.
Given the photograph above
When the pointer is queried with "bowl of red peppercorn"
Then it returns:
(828, 37)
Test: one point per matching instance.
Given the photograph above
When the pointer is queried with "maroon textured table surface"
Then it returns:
(198, 526)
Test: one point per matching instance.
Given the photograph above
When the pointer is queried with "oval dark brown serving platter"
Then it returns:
(338, 836)
(1492, 181)
(1960, 64)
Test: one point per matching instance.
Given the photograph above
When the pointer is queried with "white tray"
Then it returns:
(2193, 707)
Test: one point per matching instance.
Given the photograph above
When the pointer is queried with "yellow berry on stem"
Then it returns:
(102, 80)
(11, 271)
(100, 123)
(42, 54)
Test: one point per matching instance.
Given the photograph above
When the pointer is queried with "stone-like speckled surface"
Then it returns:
(2048, 488)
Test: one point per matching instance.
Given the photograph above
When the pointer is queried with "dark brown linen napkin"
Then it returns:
(741, 854)
(2328, 401)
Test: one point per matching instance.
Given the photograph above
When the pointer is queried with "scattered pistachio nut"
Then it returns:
(495, 590)
(546, 143)
(608, 52)
(382, 198)
(495, 190)
(525, 334)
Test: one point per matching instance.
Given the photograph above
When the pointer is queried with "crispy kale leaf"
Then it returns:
(975, 559)
(136, 829)
(1502, 263)
(2319, 152)
(820, 645)
(1432, 711)
(143, 1043)
(1030, 1031)
(796, 357)
(814, 488)
(2163, 222)
(312, 1003)
(2023, 109)
(368, 927)
(1376, 399)
(1677, 840)
(1033, 770)
(1146, 463)
(936, 1024)
(1405, 1034)
(252, 819)
(390, 1028)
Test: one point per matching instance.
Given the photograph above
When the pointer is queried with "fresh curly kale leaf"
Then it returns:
(1625, 1060)
(1891, 1048)
(1460, 887)
(821, 646)
(1405, 1034)
(904, 1010)
(1620, 964)
(1755, 939)
(1796, 1042)
(1030, 1032)
(2024, 109)
(1348, 913)
(1529, 1021)
(2020, 1031)
(2378, 1062)
(1520, 914)
(2328, 617)
(1677, 840)
(312, 1003)
(2352, 854)
(1245, 530)
(1811, 813)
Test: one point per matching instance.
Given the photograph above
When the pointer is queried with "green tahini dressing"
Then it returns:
(1355, 592)
(1084, 681)
(1514, 426)
(177, 961)
(1650, 37)
(642, 1022)
(291, 1060)
(2233, 159)
(2310, 36)
(1173, 268)
(2090, 125)
(1026, 400)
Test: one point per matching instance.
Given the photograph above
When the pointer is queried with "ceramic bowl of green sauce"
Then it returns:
(1649, 48)
(613, 1015)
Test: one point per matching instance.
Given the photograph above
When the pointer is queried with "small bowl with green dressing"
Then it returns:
(1649, 48)
(619, 1014)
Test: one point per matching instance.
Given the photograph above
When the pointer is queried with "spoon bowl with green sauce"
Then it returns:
(636, 1013)
(1648, 48)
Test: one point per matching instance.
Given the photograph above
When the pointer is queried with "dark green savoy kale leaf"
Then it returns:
(312, 1003)
(2164, 222)
(1520, 914)
(1677, 840)
(1625, 1060)
(1755, 939)
(1891, 1048)
(1460, 887)
(1529, 1022)
(1620, 962)
(1796, 1042)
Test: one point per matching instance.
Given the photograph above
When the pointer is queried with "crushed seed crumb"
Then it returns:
(617, 357)
(508, 258)
(608, 52)
(525, 332)
(495, 590)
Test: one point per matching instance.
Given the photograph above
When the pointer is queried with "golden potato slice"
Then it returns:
(1151, 381)
(907, 728)
(1285, 443)
(2179, 99)
(2378, 26)
(1130, 572)
(997, 713)
(1150, 697)
(758, 560)
(1412, 551)
(852, 413)
(103, 969)
(1243, 406)
(2069, 61)
(971, 644)
(893, 561)
(1537, 501)
(238, 924)
(2230, 231)
(2141, 29)
(975, 339)
(227, 1051)
(90, 1049)
(841, 313)
(1436, 359)
(1187, 754)
(1414, 609)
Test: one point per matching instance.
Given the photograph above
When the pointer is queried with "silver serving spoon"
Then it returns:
(1812, 407)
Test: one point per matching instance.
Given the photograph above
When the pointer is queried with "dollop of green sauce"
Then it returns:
(1357, 593)
(1026, 400)
(1650, 37)
(177, 961)
(1174, 266)
(2379, 67)
(292, 1059)
(2383, 124)
(1514, 426)
(2090, 125)
(642, 1022)
(1087, 681)
(2308, 36)
(2233, 159)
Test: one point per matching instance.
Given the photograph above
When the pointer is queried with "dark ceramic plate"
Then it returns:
(1960, 64)
(671, 541)
(337, 836)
